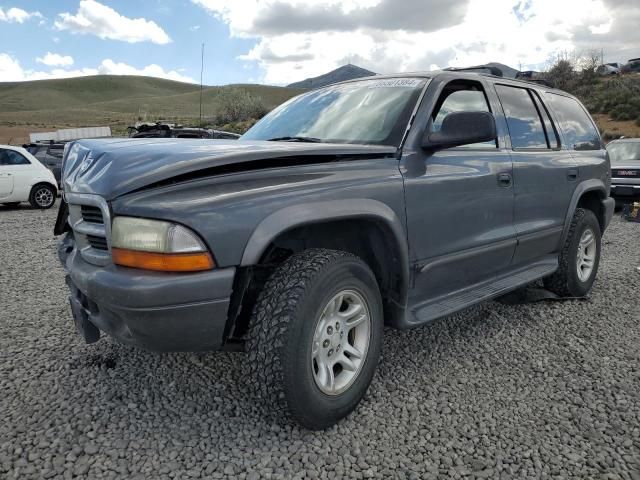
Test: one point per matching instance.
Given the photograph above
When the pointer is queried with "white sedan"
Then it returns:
(24, 179)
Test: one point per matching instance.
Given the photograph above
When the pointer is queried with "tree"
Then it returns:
(238, 105)
(561, 74)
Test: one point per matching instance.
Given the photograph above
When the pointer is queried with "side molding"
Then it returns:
(316, 212)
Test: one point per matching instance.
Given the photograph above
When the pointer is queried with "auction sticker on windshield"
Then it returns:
(395, 82)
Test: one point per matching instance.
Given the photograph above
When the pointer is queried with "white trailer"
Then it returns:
(67, 134)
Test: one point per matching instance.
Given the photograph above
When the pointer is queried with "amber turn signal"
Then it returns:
(162, 262)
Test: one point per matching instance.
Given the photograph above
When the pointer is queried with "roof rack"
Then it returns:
(493, 70)
(539, 81)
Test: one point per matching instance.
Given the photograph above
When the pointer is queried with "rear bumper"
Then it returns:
(608, 206)
(155, 311)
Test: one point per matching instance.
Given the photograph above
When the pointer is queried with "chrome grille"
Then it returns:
(90, 220)
(91, 214)
(99, 243)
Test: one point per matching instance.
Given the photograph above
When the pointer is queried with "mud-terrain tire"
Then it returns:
(570, 280)
(301, 314)
(42, 196)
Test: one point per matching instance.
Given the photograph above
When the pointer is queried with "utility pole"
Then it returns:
(201, 70)
(602, 56)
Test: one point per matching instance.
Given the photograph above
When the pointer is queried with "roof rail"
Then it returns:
(539, 81)
(493, 70)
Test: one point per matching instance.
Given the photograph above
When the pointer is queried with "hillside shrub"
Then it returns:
(238, 127)
(237, 105)
(617, 97)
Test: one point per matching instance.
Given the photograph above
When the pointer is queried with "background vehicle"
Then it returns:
(625, 170)
(633, 66)
(49, 154)
(608, 69)
(391, 200)
(23, 178)
(163, 130)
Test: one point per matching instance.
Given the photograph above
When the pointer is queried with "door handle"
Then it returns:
(572, 174)
(504, 179)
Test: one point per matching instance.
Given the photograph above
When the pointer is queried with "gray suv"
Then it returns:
(391, 200)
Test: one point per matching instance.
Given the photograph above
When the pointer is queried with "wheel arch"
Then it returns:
(368, 228)
(43, 182)
(589, 195)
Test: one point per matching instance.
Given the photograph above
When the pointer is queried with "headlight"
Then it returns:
(157, 245)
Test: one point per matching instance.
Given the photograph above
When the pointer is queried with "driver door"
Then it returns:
(459, 202)
(6, 175)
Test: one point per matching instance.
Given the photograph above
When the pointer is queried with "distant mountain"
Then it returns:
(346, 72)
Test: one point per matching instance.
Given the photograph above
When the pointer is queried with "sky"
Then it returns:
(281, 41)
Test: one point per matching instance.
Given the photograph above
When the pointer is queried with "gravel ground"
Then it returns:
(545, 390)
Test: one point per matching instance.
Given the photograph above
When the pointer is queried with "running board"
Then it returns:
(452, 303)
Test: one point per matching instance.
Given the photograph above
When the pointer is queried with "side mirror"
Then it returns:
(461, 128)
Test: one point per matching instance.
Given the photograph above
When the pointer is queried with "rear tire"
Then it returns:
(579, 258)
(305, 357)
(42, 196)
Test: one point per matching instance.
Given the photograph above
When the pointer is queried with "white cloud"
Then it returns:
(298, 39)
(97, 19)
(12, 71)
(109, 67)
(18, 15)
(55, 60)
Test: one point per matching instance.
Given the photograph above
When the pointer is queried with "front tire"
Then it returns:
(315, 336)
(579, 258)
(42, 196)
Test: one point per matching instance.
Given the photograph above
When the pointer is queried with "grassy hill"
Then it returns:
(614, 103)
(77, 92)
(116, 101)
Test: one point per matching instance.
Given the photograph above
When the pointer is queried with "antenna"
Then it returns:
(201, 70)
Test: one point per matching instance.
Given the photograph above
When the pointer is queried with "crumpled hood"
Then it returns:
(113, 167)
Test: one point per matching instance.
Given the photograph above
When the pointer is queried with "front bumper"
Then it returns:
(625, 190)
(152, 310)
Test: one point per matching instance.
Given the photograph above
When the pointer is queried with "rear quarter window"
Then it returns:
(579, 130)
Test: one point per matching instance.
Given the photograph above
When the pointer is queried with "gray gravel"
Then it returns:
(546, 390)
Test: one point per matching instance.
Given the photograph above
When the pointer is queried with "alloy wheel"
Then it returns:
(44, 197)
(586, 256)
(341, 341)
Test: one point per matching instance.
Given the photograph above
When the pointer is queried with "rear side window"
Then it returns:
(549, 128)
(579, 131)
(523, 119)
(10, 157)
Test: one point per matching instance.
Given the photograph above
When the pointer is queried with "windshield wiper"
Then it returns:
(295, 139)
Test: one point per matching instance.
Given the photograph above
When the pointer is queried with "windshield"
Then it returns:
(624, 151)
(367, 112)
